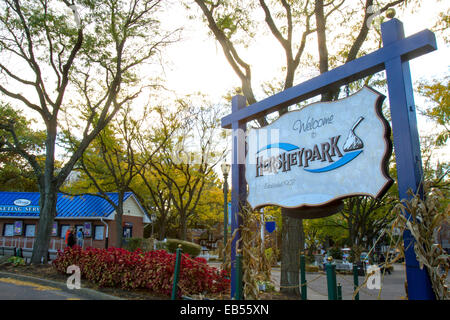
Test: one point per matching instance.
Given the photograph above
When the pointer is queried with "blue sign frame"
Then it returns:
(393, 57)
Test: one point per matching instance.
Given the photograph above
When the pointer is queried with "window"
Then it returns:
(64, 229)
(127, 232)
(99, 231)
(87, 229)
(55, 229)
(8, 229)
(18, 228)
(30, 230)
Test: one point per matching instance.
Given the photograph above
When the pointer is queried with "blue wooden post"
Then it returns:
(407, 151)
(239, 187)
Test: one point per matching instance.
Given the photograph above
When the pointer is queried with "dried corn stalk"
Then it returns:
(255, 265)
(426, 218)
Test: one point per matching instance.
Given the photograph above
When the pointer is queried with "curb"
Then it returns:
(85, 293)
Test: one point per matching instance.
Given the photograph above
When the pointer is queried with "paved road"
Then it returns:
(18, 287)
(14, 289)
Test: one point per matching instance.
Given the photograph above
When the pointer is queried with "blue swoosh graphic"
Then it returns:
(284, 146)
(342, 161)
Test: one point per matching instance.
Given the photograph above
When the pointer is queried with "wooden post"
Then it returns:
(355, 280)
(176, 273)
(339, 292)
(331, 280)
(303, 277)
(407, 151)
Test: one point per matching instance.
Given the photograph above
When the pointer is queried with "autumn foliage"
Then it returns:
(153, 270)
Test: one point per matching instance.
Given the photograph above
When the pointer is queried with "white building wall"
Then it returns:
(131, 208)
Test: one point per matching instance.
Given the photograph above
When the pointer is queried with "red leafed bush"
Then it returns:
(153, 270)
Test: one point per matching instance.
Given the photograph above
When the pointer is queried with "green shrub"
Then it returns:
(311, 268)
(310, 259)
(161, 245)
(16, 261)
(145, 244)
(335, 252)
(133, 243)
(190, 248)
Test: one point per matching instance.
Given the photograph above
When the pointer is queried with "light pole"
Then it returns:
(153, 219)
(225, 170)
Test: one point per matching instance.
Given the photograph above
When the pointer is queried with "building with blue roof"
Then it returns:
(19, 217)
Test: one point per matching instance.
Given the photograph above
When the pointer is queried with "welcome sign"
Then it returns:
(324, 152)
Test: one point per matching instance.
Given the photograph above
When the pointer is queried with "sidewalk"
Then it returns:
(312, 293)
(393, 285)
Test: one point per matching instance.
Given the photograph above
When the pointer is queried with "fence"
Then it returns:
(176, 286)
(334, 288)
(23, 247)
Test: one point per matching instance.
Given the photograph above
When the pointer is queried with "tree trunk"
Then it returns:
(321, 36)
(46, 217)
(293, 243)
(119, 221)
(48, 188)
(183, 224)
(162, 229)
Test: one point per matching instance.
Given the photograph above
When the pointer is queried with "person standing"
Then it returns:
(66, 237)
(80, 237)
(71, 238)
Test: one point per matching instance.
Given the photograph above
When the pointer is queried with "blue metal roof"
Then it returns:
(80, 206)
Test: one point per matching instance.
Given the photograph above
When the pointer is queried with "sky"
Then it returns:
(198, 63)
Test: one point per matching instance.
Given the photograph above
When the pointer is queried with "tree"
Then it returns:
(87, 68)
(443, 24)
(436, 172)
(319, 232)
(160, 200)
(152, 145)
(438, 95)
(15, 172)
(114, 160)
(232, 24)
(186, 164)
(366, 218)
(209, 211)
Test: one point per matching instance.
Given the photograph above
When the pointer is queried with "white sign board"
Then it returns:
(22, 202)
(323, 152)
